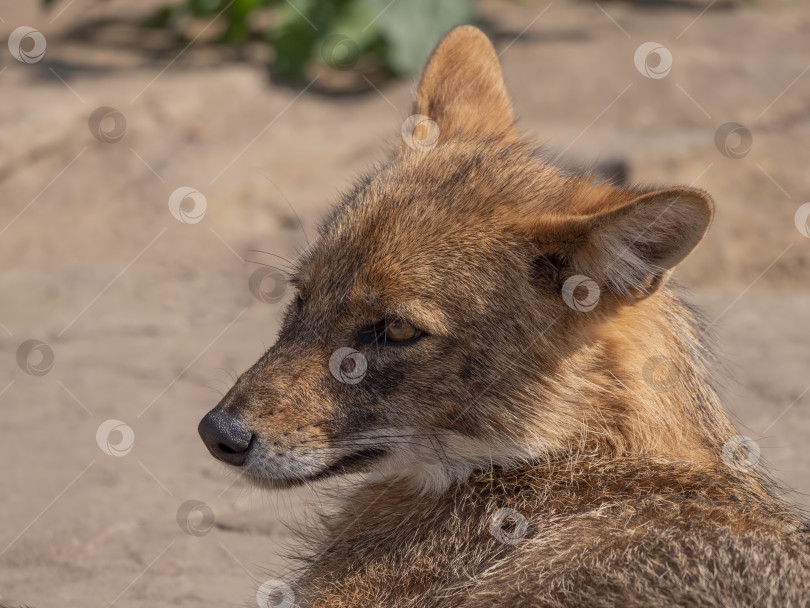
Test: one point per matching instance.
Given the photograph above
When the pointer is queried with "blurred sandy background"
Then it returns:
(146, 316)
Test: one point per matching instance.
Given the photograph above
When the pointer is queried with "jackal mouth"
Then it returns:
(354, 462)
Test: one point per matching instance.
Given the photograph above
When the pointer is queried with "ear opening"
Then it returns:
(462, 88)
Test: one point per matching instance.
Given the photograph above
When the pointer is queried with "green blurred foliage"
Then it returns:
(396, 35)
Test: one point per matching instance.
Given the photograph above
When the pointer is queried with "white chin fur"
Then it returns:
(432, 462)
(264, 464)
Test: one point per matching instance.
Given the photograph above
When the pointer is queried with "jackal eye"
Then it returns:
(390, 331)
(299, 301)
(397, 330)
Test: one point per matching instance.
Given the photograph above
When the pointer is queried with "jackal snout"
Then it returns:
(274, 417)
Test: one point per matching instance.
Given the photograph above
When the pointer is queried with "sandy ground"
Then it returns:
(146, 317)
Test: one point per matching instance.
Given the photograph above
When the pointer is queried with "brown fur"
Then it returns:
(512, 399)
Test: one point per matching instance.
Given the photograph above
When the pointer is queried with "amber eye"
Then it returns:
(397, 330)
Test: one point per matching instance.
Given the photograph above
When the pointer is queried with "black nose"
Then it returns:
(225, 437)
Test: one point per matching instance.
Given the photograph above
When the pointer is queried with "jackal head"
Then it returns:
(466, 305)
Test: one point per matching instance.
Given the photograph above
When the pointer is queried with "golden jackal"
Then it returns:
(496, 343)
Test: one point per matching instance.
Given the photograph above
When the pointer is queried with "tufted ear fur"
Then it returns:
(462, 88)
(631, 249)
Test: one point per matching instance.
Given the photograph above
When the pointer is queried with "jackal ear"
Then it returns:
(632, 249)
(462, 88)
